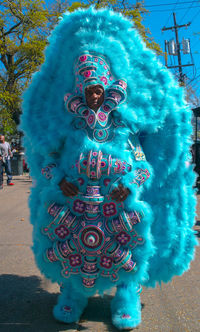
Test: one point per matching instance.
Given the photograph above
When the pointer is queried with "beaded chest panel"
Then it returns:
(91, 234)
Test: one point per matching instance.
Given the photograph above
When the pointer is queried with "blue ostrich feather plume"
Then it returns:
(154, 108)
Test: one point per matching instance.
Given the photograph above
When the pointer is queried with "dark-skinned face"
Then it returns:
(94, 96)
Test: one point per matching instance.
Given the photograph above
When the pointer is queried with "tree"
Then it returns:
(55, 10)
(191, 96)
(22, 41)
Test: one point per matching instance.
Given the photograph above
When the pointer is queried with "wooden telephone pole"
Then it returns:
(178, 50)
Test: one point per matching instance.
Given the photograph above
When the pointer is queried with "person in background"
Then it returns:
(5, 159)
(1, 167)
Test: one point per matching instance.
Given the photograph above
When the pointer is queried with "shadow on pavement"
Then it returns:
(98, 310)
(25, 306)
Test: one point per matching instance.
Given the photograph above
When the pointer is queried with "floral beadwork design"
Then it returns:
(109, 209)
(79, 206)
(123, 238)
(62, 231)
(106, 262)
(75, 260)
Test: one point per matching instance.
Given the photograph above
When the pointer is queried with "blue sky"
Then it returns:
(160, 15)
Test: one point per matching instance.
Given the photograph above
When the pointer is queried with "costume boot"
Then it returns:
(70, 305)
(126, 306)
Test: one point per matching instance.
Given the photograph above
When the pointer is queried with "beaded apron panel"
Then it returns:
(92, 235)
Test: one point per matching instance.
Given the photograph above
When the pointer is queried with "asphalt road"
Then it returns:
(27, 299)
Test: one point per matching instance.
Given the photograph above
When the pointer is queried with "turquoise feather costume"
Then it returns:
(139, 137)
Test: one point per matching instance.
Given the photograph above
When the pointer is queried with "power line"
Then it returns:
(187, 10)
(171, 12)
(195, 46)
(170, 4)
(195, 85)
(168, 10)
(195, 15)
(194, 79)
(192, 22)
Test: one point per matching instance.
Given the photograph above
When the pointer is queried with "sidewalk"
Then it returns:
(27, 298)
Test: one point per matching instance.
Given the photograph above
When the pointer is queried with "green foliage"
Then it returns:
(55, 11)
(23, 31)
(75, 5)
(7, 125)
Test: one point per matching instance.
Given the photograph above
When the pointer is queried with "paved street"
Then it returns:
(27, 299)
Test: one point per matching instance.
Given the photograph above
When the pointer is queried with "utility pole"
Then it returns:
(176, 48)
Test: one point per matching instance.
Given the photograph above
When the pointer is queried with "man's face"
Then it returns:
(2, 139)
(94, 96)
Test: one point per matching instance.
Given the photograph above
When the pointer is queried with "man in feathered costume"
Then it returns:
(107, 135)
